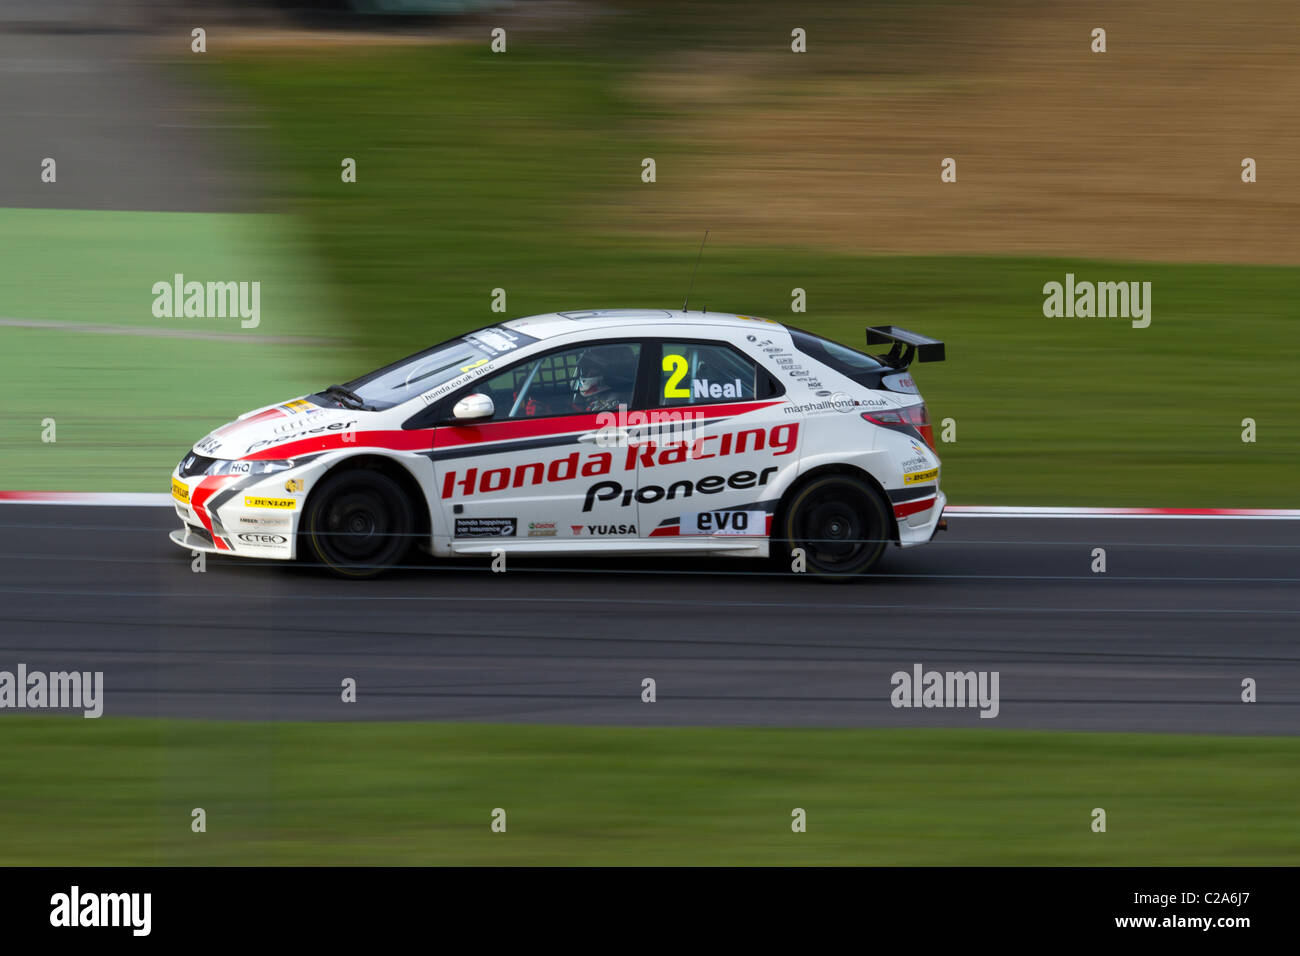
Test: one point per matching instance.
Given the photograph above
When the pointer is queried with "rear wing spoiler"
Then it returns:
(906, 346)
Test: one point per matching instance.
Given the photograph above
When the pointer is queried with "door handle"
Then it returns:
(604, 434)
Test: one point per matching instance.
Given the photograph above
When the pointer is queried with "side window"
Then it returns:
(694, 373)
(590, 378)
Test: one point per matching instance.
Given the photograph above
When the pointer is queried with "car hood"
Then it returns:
(289, 427)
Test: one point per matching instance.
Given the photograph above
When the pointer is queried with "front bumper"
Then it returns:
(250, 516)
(191, 540)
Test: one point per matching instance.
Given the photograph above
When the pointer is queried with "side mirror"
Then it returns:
(473, 408)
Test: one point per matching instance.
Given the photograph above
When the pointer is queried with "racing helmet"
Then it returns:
(602, 369)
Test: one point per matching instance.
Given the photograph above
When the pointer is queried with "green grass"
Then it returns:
(121, 791)
(126, 407)
(99, 267)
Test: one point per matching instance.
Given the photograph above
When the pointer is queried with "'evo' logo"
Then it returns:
(725, 522)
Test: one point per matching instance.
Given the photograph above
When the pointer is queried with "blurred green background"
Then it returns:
(522, 171)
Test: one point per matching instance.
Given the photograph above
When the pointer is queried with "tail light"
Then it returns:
(915, 416)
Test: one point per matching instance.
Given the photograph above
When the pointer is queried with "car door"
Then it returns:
(735, 442)
(542, 468)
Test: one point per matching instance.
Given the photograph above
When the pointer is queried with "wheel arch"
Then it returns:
(821, 471)
(391, 467)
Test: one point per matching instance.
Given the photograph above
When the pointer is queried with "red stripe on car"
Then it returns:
(912, 507)
(198, 497)
(419, 439)
(451, 436)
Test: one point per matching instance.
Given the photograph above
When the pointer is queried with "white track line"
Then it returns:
(160, 499)
(1020, 511)
(104, 329)
(111, 499)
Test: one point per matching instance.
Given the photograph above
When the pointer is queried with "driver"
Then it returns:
(603, 379)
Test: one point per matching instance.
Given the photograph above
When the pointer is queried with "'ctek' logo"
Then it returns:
(267, 539)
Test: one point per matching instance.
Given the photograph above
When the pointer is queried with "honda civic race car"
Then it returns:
(599, 432)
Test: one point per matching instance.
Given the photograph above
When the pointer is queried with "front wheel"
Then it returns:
(840, 523)
(357, 523)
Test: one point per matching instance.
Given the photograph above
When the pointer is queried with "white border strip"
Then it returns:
(143, 499)
(112, 499)
(1018, 511)
(242, 338)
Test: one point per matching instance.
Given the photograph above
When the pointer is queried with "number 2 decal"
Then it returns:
(678, 365)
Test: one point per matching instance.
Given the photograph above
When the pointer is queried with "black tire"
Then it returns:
(357, 523)
(840, 522)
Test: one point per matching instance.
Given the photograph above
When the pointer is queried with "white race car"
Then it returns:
(598, 432)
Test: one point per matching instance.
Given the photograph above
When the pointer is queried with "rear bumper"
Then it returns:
(918, 527)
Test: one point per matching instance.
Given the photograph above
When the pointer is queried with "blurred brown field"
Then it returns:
(1135, 153)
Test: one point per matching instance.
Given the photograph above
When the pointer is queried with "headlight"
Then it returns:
(248, 467)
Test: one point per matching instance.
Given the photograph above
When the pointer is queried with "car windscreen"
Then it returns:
(425, 370)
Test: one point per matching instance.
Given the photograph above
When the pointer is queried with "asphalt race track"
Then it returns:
(1160, 642)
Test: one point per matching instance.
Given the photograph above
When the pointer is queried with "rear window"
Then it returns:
(858, 366)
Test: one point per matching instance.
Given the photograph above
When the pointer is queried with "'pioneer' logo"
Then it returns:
(647, 494)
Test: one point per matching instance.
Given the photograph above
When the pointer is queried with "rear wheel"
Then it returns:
(840, 523)
(357, 523)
